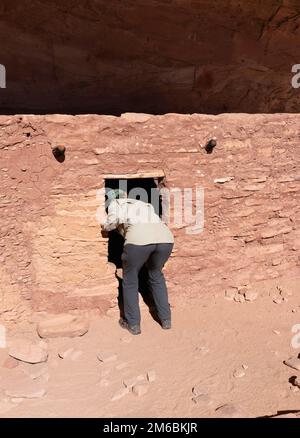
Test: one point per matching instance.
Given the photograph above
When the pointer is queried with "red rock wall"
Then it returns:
(155, 56)
(52, 254)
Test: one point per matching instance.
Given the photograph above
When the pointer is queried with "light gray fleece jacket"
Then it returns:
(137, 222)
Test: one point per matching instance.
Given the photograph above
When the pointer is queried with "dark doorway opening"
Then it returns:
(151, 194)
(151, 186)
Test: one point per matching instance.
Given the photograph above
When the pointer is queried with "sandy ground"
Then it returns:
(212, 343)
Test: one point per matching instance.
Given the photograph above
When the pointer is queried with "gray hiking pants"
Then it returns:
(134, 257)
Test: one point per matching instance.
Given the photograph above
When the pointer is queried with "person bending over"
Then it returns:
(148, 241)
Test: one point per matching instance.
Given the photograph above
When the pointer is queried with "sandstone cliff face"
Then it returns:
(52, 254)
(155, 56)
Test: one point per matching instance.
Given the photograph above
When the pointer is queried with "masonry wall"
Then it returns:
(52, 254)
(156, 56)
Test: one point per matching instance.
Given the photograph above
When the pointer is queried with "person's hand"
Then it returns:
(119, 273)
(104, 233)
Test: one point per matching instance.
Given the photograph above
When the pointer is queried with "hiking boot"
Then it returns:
(133, 329)
(166, 324)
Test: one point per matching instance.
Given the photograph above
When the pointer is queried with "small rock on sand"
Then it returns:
(70, 353)
(293, 362)
(250, 295)
(276, 262)
(63, 325)
(106, 356)
(239, 298)
(239, 373)
(198, 390)
(28, 351)
(223, 180)
(295, 382)
(151, 376)
(230, 294)
(229, 411)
